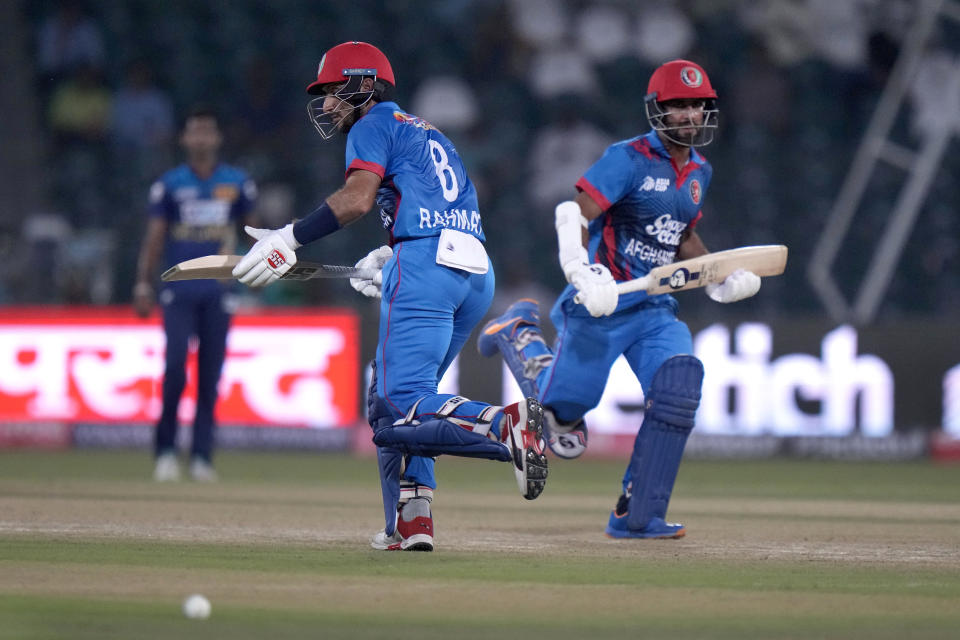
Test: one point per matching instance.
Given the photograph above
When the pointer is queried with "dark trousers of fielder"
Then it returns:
(183, 318)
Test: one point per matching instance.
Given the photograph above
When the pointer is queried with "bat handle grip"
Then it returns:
(367, 274)
(637, 284)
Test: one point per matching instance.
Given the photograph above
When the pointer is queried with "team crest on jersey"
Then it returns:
(226, 192)
(691, 77)
(695, 191)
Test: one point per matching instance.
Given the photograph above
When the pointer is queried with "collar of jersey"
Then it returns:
(657, 145)
(385, 106)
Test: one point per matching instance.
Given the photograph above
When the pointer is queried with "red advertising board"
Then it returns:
(103, 364)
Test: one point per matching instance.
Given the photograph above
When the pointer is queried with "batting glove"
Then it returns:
(269, 258)
(738, 285)
(373, 260)
(597, 289)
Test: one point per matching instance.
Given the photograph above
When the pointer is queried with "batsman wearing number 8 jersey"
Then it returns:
(636, 208)
(435, 284)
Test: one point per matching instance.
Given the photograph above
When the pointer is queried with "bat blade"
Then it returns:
(763, 260)
(202, 268)
(220, 267)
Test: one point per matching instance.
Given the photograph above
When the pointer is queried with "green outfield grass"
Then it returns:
(91, 548)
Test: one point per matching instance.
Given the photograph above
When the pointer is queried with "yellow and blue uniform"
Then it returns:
(202, 215)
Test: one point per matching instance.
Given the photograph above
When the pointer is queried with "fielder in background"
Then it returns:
(437, 284)
(195, 210)
(637, 208)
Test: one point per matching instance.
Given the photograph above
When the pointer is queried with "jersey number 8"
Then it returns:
(442, 166)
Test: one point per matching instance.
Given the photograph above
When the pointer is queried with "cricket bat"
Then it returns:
(763, 260)
(220, 267)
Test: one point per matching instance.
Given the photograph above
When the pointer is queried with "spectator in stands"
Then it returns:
(562, 151)
(263, 127)
(79, 122)
(142, 117)
(66, 38)
(80, 107)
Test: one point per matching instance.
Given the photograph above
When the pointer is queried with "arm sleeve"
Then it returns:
(610, 178)
(159, 201)
(368, 147)
(248, 197)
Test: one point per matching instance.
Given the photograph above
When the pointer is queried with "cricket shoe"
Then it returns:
(202, 471)
(566, 439)
(414, 530)
(657, 528)
(167, 469)
(506, 328)
(522, 431)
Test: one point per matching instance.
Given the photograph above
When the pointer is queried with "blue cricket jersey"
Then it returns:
(648, 204)
(425, 187)
(201, 214)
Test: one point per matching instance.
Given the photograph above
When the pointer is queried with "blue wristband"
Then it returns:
(321, 222)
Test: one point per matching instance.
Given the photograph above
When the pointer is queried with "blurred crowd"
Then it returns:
(530, 91)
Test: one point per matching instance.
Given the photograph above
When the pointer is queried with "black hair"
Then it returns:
(382, 90)
(201, 111)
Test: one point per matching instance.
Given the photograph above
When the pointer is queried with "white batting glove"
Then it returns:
(597, 289)
(373, 260)
(738, 285)
(269, 258)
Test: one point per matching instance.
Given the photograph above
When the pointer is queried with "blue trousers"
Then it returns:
(184, 316)
(427, 312)
(587, 347)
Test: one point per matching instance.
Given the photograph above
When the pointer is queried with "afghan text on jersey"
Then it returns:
(649, 253)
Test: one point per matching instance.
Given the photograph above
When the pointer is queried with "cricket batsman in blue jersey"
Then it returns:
(195, 210)
(435, 284)
(636, 208)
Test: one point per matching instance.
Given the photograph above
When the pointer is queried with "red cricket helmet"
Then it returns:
(682, 80)
(679, 79)
(351, 59)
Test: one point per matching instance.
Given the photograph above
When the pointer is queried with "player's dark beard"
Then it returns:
(348, 121)
(686, 138)
(681, 137)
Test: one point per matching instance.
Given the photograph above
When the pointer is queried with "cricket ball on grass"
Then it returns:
(197, 607)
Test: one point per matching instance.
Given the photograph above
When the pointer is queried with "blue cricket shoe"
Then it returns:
(657, 528)
(503, 329)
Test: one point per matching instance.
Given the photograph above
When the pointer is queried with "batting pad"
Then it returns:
(671, 406)
(389, 461)
(390, 464)
(438, 437)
